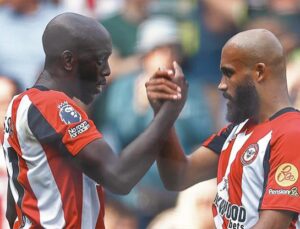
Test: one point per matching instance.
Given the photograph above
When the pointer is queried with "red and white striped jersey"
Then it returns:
(258, 170)
(44, 129)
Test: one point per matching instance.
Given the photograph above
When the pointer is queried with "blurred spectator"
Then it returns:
(218, 21)
(123, 28)
(118, 216)
(107, 8)
(92, 8)
(293, 78)
(8, 88)
(167, 219)
(192, 210)
(22, 23)
(287, 38)
(194, 206)
(287, 11)
(127, 111)
(84, 7)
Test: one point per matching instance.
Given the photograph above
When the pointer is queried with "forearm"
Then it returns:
(274, 219)
(172, 163)
(138, 156)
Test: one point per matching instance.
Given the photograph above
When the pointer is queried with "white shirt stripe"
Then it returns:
(223, 185)
(39, 173)
(6, 145)
(253, 180)
(90, 205)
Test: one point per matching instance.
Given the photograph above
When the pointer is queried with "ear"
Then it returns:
(260, 69)
(68, 60)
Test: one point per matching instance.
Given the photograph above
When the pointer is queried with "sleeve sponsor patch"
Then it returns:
(79, 129)
(286, 175)
(290, 192)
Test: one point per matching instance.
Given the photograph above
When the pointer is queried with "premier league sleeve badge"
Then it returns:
(68, 114)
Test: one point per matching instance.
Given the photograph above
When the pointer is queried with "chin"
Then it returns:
(86, 99)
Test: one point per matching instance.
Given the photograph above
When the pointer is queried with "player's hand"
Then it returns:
(164, 85)
(180, 81)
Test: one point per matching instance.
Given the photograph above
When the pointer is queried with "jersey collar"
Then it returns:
(283, 111)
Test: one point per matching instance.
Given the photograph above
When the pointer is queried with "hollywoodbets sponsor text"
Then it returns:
(235, 214)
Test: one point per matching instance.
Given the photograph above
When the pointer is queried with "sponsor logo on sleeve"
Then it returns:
(286, 175)
(68, 114)
(79, 129)
(290, 192)
(250, 154)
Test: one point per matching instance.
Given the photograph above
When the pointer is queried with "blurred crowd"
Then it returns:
(147, 35)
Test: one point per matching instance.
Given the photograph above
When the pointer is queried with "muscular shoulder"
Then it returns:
(54, 105)
(286, 125)
(46, 97)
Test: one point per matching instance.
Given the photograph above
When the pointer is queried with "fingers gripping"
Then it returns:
(162, 88)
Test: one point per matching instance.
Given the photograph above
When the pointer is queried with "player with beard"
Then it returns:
(255, 158)
(243, 105)
(56, 159)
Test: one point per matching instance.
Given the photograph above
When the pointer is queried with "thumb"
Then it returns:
(178, 70)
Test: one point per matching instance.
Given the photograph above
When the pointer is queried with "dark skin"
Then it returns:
(77, 50)
(254, 56)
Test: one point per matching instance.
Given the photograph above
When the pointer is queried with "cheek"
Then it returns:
(234, 87)
(231, 90)
(88, 72)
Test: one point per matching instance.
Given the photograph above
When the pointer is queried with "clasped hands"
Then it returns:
(167, 86)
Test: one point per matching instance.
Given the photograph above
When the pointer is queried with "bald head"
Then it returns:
(73, 32)
(253, 76)
(259, 46)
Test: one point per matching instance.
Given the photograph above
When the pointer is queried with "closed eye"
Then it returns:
(102, 60)
(228, 72)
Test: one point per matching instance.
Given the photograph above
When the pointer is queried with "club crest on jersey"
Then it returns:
(68, 114)
(250, 154)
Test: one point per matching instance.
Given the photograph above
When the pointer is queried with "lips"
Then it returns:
(101, 81)
(99, 86)
(227, 96)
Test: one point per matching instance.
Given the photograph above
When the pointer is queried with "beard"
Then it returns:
(245, 104)
(86, 98)
(87, 83)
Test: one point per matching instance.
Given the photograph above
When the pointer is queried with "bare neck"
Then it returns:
(53, 81)
(270, 105)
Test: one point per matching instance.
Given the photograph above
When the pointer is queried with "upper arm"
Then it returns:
(274, 219)
(61, 124)
(97, 160)
(65, 127)
(281, 191)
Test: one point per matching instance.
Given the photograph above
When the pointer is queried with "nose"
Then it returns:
(106, 71)
(222, 85)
